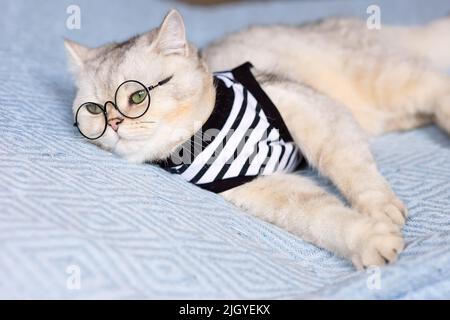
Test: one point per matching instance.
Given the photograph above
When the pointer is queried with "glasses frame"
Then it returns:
(114, 103)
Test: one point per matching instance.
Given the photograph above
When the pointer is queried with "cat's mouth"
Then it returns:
(135, 130)
(126, 136)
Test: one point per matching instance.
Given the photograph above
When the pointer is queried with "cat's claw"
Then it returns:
(379, 246)
(382, 206)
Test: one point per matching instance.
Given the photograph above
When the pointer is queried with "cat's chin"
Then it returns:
(134, 151)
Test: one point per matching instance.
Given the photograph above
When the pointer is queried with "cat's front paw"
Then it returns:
(379, 243)
(382, 206)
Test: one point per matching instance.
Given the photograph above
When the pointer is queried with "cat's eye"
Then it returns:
(138, 97)
(130, 106)
(93, 108)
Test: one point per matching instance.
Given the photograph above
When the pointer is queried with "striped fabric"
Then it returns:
(244, 137)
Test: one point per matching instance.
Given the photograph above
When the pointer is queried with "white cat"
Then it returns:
(321, 78)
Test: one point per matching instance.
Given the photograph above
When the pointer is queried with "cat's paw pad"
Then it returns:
(383, 206)
(379, 245)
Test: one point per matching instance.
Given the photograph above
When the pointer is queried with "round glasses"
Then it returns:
(131, 100)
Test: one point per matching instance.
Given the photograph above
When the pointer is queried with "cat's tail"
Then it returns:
(431, 41)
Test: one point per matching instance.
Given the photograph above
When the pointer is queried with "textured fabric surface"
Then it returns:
(135, 231)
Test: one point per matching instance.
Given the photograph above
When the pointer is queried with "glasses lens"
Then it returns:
(91, 120)
(132, 99)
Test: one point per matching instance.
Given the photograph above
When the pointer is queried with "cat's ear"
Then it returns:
(77, 54)
(171, 38)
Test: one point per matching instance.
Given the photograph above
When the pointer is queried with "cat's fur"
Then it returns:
(322, 77)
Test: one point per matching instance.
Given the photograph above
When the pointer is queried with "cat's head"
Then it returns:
(177, 108)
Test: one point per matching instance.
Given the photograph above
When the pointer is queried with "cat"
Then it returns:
(335, 83)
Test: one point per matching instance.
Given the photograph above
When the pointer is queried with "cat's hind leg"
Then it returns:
(299, 206)
(425, 95)
(442, 114)
(421, 95)
(408, 92)
(429, 41)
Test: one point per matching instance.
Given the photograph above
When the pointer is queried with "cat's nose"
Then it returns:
(114, 123)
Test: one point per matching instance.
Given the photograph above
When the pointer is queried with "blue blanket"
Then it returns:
(78, 222)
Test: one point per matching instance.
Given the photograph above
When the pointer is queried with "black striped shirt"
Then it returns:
(244, 137)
